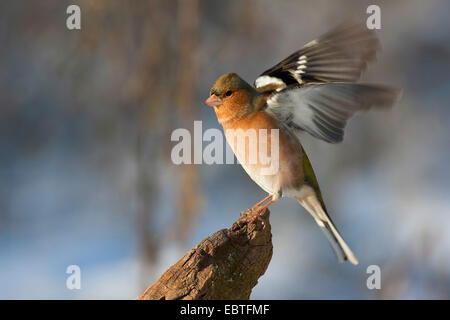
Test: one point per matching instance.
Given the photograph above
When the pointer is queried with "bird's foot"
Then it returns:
(260, 209)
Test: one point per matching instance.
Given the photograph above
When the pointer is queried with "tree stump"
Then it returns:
(226, 265)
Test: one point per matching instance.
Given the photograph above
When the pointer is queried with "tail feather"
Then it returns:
(338, 244)
(314, 206)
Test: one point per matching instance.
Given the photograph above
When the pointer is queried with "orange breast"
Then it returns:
(252, 142)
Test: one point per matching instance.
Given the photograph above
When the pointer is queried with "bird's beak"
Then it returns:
(213, 101)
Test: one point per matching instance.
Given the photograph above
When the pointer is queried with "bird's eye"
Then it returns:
(228, 93)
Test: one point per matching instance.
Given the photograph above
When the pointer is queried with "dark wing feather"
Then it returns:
(340, 55)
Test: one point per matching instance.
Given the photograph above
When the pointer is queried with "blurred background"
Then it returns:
(86, 176)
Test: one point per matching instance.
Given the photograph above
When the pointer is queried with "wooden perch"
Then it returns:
(226, 265)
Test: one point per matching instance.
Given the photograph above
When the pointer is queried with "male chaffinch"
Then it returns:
(312, 90)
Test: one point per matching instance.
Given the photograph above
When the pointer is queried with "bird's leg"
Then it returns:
(263, 200)
(275, 197)
(261, 210)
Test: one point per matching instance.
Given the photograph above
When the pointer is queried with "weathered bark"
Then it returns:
(226, 265)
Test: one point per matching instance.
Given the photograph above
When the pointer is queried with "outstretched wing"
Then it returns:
(340, 55)
(322, 110)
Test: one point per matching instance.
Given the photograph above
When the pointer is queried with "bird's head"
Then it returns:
(231, 97)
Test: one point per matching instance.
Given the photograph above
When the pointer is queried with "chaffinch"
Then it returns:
(312, 90)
